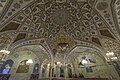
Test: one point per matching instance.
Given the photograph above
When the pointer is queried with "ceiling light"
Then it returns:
(58, 62)
(30, 61)
(110, 53)
(84, 61)
(4, 51)
(114, 58)
(48, 64)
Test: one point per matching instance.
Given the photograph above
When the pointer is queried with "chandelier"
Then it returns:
(62, 42)
(29, 61)
(3, 54)
(63, 46)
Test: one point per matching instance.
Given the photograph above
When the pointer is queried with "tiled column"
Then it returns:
(57, 71)
(65, 71)
(40, 71)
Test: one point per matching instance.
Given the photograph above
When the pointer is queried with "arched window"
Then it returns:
(23, 67)
(6, 67)
(36, 68)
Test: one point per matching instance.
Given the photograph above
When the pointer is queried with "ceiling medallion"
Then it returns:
(60, 16)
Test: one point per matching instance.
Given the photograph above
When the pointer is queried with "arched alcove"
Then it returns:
(88, 62)
(23, 67)
(22, 55)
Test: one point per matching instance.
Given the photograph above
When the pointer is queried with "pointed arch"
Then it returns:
(23, 67)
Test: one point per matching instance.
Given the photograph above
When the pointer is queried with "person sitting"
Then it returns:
(75, 76)
(70, 75)
(81, 75)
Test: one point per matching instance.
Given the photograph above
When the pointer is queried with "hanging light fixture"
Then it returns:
(3, 54)
(30, 61)
(63, 43)
(48, 64)
(58, 63)
(84, 61)
(63, 46)
(110, 53)
(114, 58)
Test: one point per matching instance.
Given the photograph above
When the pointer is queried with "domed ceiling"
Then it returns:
(52, 23)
